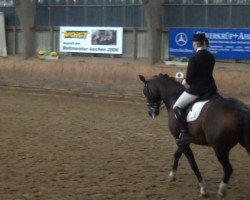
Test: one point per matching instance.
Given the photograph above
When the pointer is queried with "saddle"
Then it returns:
(193, 110)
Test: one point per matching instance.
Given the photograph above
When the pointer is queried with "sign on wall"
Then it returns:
(224, 43)
(3, 48)
(105, 40)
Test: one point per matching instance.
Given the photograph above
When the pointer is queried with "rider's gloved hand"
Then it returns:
(184, 82)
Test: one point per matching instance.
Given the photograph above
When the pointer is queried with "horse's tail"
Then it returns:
(245, 123)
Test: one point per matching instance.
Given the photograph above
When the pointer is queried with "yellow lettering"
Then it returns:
(75, 34)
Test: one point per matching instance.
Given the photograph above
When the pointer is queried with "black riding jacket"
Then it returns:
(200, 73)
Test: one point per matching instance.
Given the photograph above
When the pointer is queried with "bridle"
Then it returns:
(153, 102)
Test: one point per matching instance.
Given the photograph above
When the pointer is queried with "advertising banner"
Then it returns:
(3, 48)
(224, 43)
(104, 40)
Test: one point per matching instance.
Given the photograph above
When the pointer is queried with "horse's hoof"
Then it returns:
(205, 195)
(203, 191)
(172, 177)
(222, 192)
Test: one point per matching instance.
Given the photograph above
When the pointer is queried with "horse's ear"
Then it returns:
(142, 78)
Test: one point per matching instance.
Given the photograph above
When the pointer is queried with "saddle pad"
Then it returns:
(195, 110)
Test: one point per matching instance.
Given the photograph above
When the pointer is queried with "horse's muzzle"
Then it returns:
(153, 111)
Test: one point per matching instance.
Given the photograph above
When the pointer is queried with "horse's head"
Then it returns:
(153, 97)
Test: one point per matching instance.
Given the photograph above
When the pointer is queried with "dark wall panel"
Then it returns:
(95, 2)
(173, 16)
(44, 12)
(135, 16)
(241, 16)
(94, 16)
(194, 16)
(219, 16)
(57, 16)
(124, 13)
(10, 16)
(114, 16)
(76, 16)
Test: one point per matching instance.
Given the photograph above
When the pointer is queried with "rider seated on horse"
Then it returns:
(199, 77)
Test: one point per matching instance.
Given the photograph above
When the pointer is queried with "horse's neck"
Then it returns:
(170, 101)
(170, 90)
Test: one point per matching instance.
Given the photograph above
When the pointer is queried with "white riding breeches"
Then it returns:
(185, 99)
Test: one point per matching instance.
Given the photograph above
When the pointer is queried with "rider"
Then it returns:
(200, 79)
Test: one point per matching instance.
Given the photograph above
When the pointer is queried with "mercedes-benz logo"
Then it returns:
(181, 39)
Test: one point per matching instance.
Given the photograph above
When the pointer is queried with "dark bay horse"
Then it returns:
(222, 123)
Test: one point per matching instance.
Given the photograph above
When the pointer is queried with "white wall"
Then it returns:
(3, 48)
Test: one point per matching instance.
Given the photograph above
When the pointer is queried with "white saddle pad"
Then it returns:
(195, 110)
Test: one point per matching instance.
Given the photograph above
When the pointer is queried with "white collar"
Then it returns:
(200, 48)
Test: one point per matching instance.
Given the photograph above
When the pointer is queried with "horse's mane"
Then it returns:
(168, 81)
(169, 88)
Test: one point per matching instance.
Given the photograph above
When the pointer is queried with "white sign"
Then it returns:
(106, 40)
(3, 48)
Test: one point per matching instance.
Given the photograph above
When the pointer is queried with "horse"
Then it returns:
(222, 123)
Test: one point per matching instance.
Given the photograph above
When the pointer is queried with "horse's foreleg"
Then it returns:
(223, 157)
(190, 156)
(177, 157)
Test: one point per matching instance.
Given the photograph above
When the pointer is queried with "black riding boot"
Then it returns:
(184, 137)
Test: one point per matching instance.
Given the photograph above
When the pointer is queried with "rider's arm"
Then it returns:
(190, 71)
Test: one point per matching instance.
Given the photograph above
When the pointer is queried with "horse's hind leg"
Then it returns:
(190, 156)
(223, 157)
(177, 157)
